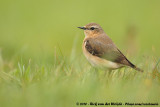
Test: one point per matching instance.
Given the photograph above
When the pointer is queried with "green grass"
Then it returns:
(71, 79)
(41, 60)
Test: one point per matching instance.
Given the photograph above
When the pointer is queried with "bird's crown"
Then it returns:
(92, 26)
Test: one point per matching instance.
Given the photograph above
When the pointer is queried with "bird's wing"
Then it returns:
(106, 51)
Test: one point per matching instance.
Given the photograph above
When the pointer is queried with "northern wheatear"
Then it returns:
(100, 50)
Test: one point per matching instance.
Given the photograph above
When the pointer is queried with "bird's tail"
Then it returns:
(134, 67)
(138, 69)
(130, 64)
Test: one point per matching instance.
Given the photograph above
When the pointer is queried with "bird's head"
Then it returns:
(92, 29)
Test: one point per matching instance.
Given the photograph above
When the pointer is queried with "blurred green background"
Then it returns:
(41, 61)
(35, 27)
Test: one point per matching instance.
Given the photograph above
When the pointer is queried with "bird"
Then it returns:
(101, 51)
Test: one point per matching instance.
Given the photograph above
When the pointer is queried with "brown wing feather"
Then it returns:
(105, 50)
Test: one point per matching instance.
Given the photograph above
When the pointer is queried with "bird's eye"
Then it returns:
(92, 28)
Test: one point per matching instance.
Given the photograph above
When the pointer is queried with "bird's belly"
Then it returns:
(100, 62)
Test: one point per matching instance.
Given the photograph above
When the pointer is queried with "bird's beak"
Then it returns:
(82, 28)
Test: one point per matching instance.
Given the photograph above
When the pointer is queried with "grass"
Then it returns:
(41, 60)
(71, 80)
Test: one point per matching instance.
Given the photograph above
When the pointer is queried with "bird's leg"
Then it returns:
(108, 72)
(95, 70)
